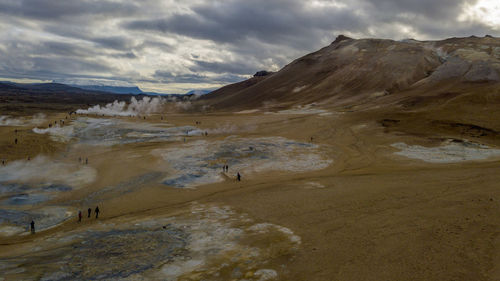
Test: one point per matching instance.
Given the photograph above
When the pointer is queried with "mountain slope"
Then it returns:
(349, 72)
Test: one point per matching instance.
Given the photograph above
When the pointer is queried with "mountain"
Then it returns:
(45, 87)
(17, 98)
(198, 92)
(352, 72)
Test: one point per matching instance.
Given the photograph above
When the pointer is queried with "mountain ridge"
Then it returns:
(351, 70)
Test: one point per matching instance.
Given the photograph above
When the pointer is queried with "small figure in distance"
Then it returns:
(32, 227)
(15, 141)
(238, 176)
(96, 212)
(89, 211)
(86, 160)
(79, 216)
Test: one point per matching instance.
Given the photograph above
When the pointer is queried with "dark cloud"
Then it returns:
(55, 9)
(168, 77)
(274, 22)
(224, 67)
(202, 41)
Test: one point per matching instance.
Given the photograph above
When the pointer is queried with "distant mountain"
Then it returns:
(45, 87)
(112, 89)
(101, 89)
(199, 92)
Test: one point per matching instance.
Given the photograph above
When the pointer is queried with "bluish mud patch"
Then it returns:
(45, 217)
(201, 162)
(184, 180)
(19, 204)
(101, 131)
(26, 199)
(12, 187)
(124, 252)
(24, 194)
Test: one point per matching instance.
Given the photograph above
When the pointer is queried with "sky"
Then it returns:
(171, 46)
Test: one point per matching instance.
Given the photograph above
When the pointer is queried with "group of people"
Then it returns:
(225, 169)
(86, 160)
(89, 212)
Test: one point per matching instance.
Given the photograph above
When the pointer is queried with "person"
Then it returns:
(238, 176)
(96, 212)
(32, 227)
(79, 216)
(227, 168)
(86, 160)
(3, 162)
(15, 141)
(89, 211)
(80, 159)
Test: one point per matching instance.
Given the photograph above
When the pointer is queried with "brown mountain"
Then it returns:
(436, 88)
(351, 72)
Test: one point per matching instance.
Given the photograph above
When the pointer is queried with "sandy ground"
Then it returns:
(374, 213)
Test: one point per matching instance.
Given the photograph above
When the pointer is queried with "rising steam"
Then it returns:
(145, 106)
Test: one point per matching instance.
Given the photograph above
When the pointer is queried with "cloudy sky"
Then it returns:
(172, 46)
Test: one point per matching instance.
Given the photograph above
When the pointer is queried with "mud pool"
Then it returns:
(208, 242)
(200, 162)
(448, 152)
(27, 187)
(105, 131)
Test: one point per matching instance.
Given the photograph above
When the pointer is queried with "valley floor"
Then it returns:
(324, 195)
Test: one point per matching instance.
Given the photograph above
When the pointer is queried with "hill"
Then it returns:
(349, 71)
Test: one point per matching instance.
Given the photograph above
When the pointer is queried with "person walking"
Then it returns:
(79, 216)
(32, 227)
(238, 176)
(96, 212)
(15, 141)
(89, 211)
